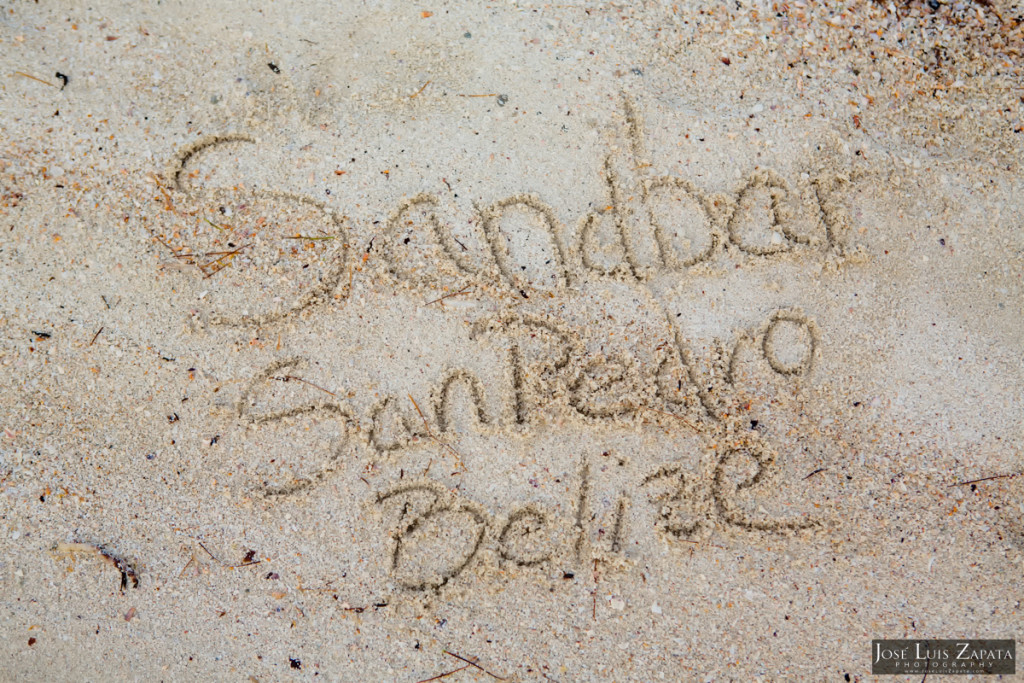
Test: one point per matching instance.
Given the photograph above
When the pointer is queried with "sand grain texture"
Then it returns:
(602, 342)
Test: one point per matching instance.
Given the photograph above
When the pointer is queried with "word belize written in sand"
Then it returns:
(548, 363)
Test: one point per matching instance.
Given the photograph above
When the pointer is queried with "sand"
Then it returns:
(594, 342)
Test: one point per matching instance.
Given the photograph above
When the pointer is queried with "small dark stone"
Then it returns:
(296, 663)
(277, 70)
(934, 4)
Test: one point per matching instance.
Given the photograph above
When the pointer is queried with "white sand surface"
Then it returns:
(557, 342)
